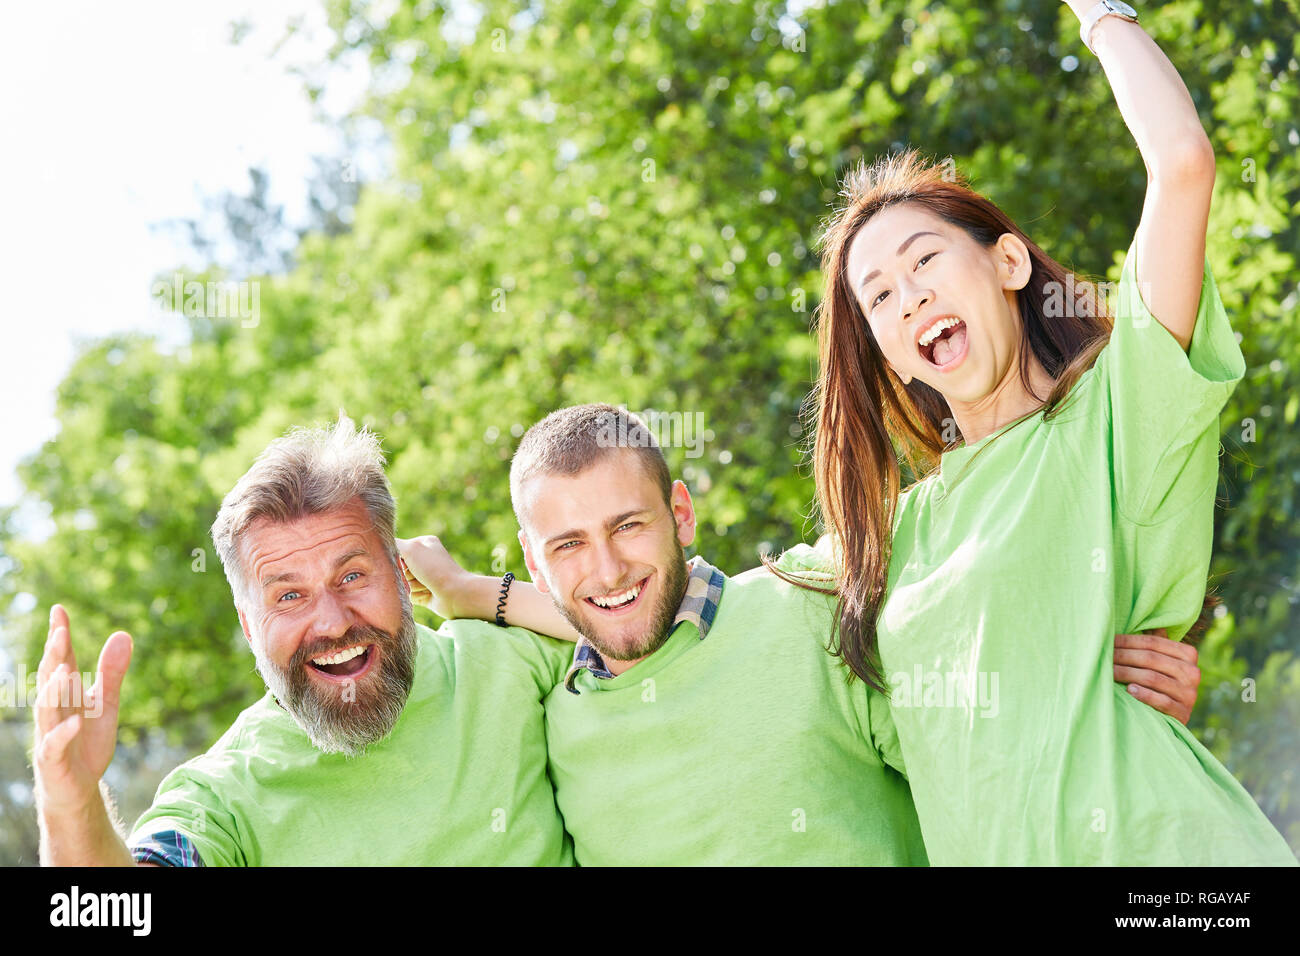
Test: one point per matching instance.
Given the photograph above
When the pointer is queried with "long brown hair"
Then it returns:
(864, 421)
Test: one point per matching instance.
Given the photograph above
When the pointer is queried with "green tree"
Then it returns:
(621, 202)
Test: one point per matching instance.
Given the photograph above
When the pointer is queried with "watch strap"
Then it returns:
(1103, 9)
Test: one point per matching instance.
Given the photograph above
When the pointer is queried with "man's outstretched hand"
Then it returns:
(76, 727)
(1160, 672)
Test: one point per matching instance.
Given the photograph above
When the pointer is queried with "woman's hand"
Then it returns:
(1159, 672)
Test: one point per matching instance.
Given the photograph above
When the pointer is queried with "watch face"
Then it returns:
(1123, 8)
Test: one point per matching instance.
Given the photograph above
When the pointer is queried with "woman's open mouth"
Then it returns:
(943, 344)
(619, 601)
(346, 664)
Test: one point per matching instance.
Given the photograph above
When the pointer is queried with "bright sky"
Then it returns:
(116, 116)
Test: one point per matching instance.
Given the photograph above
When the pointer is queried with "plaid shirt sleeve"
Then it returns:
(166, 848)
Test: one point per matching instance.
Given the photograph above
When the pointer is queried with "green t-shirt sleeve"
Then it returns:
(546, 659)
(814, 562)
(542, 660)
(1163, 402)
(186, 803)
(883, 733)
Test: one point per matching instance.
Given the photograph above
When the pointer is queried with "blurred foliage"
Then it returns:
(619, 201)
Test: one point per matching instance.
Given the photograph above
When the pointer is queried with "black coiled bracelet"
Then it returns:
(501, 601)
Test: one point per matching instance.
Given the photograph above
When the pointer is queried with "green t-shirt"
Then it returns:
(1013, 567)
(746, 747)
(461, 779)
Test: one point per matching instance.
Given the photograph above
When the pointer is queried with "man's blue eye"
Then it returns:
(287, 594)
(351, 574)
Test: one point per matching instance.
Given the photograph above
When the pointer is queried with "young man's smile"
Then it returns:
(620, 602)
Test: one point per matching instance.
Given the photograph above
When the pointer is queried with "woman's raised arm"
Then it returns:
(1155, 104)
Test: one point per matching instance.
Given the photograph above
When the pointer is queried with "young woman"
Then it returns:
(1070, 467)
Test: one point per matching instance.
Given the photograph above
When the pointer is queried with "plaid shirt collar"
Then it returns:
(699, 606)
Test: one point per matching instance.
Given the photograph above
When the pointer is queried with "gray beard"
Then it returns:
(353, 717)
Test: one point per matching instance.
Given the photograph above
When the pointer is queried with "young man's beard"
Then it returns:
(348, 719)
(661, 622)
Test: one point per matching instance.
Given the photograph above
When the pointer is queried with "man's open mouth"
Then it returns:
(350, 662)
(943, 342)
(618, 600)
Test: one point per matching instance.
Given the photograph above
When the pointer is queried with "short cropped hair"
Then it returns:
(308, 471)
(571, 440)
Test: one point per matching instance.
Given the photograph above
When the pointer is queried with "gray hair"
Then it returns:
(308, 471)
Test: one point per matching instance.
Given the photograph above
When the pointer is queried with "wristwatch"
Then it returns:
(1104, 9)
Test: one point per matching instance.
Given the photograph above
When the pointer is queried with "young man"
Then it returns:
(702, 720)
(378, 741)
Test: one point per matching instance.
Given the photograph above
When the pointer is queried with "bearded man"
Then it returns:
(378, 741)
